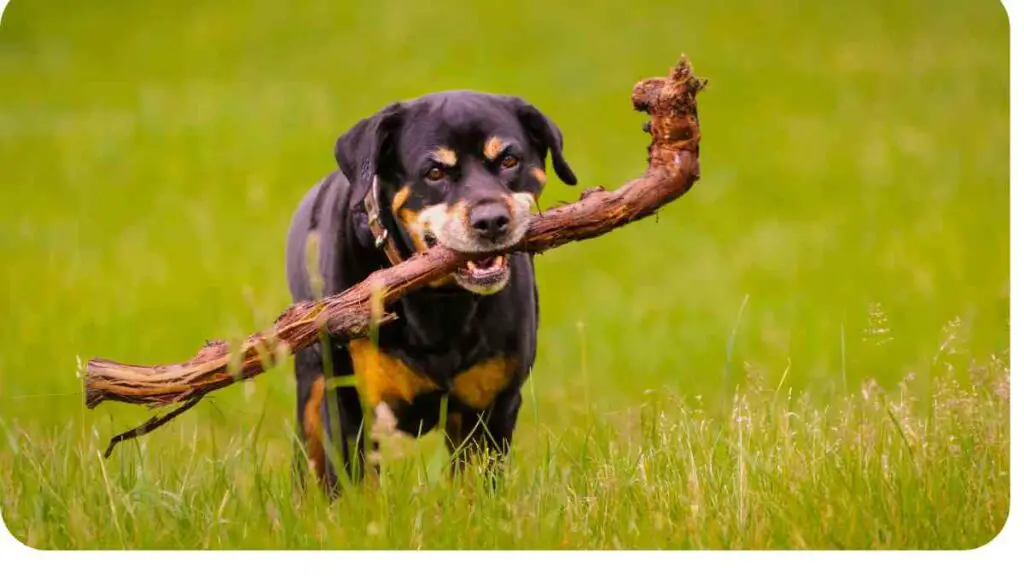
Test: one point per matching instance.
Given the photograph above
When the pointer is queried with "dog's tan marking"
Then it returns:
(492, 147)
(461, 212)
(509, 201)
(444, 155)
(384, 378)
(478, 386)
(313, 429)
(401, 197)
(522, 204)
(452, 228)
(539, 175)
(453, 430)
(410, 220)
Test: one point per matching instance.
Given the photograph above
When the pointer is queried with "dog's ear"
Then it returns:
(546, 136)
(360, 151)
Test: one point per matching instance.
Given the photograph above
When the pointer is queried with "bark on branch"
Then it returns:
(672, 170)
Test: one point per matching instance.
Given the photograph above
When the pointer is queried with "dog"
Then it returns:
(462, 169)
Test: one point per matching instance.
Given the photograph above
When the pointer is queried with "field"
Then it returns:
(810, 350)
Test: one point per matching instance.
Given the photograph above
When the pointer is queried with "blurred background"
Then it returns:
(854, 198)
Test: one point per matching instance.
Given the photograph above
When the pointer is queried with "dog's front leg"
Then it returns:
(385, 383)
(483, 438)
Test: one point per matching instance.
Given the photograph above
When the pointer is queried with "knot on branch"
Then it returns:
(672, 105)
(592, 190)
(212, 350)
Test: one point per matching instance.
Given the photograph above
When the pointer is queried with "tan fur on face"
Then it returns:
(522, 204)
(409, 220)
(451, 227)
(539, 174)
(401, 197)
(414, 226)
(444, 156)
(493, 147)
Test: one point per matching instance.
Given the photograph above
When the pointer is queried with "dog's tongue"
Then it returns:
(484, 264)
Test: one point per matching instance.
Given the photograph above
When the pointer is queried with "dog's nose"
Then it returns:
(490, 220)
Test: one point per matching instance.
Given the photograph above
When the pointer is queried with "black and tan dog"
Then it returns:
(459, 168)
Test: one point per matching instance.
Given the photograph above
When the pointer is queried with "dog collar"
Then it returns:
(382, 240)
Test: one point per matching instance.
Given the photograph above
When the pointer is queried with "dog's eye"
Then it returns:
(509, 162)
(435, 174)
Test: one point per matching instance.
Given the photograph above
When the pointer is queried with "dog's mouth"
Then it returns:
(485, 275)
(484, 268)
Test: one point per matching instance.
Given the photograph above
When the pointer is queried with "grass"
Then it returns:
(808, 351)
(773, 470)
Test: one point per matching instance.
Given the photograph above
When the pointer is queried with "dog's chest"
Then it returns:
(385, 376)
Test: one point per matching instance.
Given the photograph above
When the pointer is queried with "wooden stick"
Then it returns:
(673, 168)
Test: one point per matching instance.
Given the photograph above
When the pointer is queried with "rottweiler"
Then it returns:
(462, 169)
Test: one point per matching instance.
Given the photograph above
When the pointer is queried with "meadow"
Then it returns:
(809, 350)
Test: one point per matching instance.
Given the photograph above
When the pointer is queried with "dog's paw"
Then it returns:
(384, 422)
(384, 426)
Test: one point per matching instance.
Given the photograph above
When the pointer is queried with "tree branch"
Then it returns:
(672, 170)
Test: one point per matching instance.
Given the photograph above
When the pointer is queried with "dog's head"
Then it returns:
(462, 169)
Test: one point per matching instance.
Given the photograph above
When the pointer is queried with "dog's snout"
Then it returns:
(490, 220)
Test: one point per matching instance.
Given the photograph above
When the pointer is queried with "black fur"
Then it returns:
(440, 331)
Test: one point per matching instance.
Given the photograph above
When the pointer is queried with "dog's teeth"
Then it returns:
(471, 265)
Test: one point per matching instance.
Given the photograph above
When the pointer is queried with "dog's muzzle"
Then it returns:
(484, 228)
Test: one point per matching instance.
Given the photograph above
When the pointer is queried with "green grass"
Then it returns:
(873, 470)
(809, 350)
